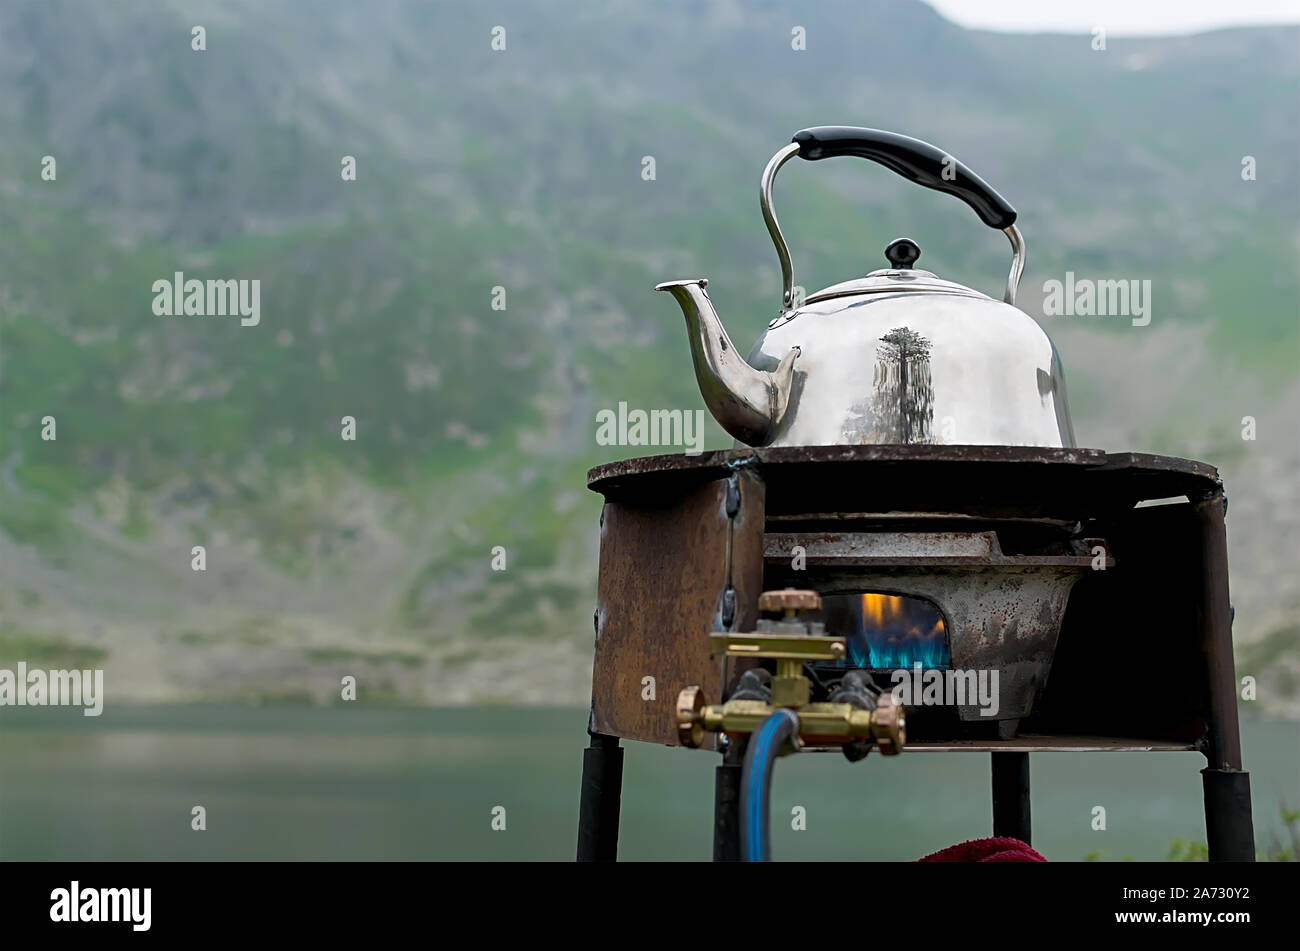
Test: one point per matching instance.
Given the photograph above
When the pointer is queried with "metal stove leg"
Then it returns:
(1229, 827)
(602, 793)
(726, 805)
(1011, 795)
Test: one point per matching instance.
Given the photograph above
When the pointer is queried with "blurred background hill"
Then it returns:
(523, 169)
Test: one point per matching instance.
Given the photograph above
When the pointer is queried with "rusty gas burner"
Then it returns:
(989, 588)
(956, 601)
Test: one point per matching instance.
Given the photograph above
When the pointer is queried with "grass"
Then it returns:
(1283, 846)
(49, 651)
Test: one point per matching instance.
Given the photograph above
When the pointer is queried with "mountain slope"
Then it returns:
(522, 169)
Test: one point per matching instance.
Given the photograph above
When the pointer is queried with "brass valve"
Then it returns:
(791, 643)
(821, 724)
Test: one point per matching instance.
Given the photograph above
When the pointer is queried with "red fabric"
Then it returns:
(1001, 849)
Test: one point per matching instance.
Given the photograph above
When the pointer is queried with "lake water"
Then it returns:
(358, 783)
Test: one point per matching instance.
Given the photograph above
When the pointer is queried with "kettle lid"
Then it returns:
(899, 278)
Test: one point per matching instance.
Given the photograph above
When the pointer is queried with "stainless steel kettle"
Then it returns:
(898, 356)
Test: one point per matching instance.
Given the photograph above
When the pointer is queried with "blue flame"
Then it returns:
(930, 652)
(912, 633)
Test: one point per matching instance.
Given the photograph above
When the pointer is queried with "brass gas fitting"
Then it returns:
(820, 724)
(791, 643)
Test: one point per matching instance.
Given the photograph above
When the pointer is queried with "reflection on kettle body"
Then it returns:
(900, 408)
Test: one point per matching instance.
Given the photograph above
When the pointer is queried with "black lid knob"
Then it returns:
(902, 252)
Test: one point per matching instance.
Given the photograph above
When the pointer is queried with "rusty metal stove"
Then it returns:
(1042, 563)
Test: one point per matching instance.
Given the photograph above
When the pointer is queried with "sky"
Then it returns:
(1119, 17)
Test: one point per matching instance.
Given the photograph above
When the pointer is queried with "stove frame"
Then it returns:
(689, 541)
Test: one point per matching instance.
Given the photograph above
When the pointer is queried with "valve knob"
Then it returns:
(690, 720)
(889, 728)
(789, 600)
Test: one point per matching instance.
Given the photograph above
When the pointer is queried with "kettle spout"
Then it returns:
(747, 403)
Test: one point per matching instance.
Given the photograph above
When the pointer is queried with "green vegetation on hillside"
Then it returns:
(523, 169)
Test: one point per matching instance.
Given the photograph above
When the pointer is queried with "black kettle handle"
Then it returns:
(915, 160)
